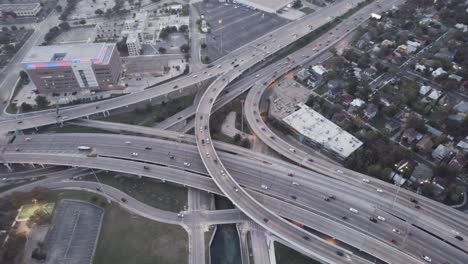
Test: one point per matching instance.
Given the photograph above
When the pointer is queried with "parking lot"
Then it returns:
(239, 25)
(73, 234)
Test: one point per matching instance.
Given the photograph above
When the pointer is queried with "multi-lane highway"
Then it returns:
(223, 178)
(274, 176)
(272, 188)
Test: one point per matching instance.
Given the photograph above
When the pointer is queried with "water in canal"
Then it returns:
(225, 248)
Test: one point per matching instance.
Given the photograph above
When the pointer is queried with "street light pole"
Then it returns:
(102, 187)
(221, 22)
(396, 195)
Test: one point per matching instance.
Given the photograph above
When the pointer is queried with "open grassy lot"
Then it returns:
(75, 129)
(286, 255)
(131, 239)
(126, 238)
(307, 10)
(165, 196)
(148, 115)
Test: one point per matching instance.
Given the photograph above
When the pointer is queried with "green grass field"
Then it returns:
(132, 239)
(126, 238)
(28, 210)
(165, 196)
(307, 10)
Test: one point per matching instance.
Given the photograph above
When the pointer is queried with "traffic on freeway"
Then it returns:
(277, 179)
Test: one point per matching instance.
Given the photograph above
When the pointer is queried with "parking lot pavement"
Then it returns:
(232, 27)
(73, 234)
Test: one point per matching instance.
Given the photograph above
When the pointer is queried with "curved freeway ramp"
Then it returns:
(251, 207)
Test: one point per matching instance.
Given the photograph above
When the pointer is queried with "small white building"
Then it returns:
(357, 103)
(315, 130)
(319, 70)
(438, 72)
(376, 16)
(423, 90)
(435, 94)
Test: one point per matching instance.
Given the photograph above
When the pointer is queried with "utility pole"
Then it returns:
(242, 111)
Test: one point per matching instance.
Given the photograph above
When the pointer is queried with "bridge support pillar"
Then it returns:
(32, 165)
(87, 117)
(42, 165)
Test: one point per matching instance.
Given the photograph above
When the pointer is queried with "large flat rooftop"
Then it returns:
(18, 7)
(320, 130)
(60, 55)
(273, 5)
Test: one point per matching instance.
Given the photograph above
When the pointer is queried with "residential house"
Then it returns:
(346, 99)
(385, 100)
(445, 53)
(434, 131)
(438, 72)
(419, 67)
(461, 107)
(338, 117)
(455, 77)
(319, 70)
(459, 161)
(425, 89)
(425, 144)
(387, 43)
(357, 103)
(449, 100)
(392, 125)
(434, 95)
(364, 40)
(371, 111)
(409, 135)
(461, 27)
(369, 72)
(412, 46)
(440, 152)
(463, 144)
(303, 75)
(335, 88)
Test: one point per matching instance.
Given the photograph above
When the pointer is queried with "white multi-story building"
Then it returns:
(133, 44)
(21, 10)
(172, 21)
(134, 29)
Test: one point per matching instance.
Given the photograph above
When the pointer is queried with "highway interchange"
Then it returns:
(62, 150)
(231, 175)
